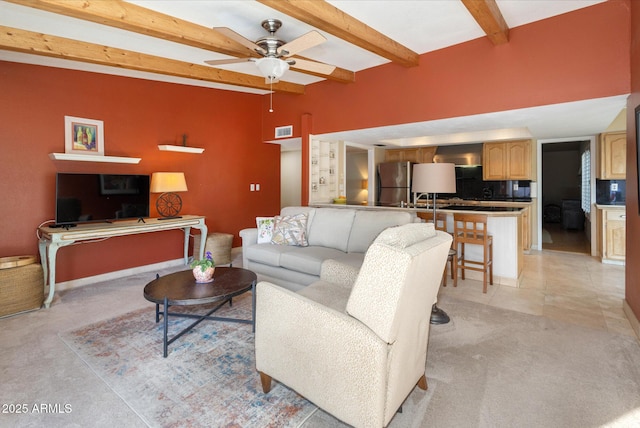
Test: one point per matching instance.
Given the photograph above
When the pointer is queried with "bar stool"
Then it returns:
(472, 229)
(441, 224)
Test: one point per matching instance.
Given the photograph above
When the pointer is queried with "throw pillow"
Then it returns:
(265, 229)
(290, 230)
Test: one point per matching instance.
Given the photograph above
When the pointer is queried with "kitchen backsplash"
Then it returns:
(611, 192)
(469, 185)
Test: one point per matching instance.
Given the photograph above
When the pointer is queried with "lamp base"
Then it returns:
(438, 316)
(169, 205)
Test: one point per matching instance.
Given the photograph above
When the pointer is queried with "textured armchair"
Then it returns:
(356, 351)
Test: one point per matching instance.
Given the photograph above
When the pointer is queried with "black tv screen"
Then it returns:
(82, 198)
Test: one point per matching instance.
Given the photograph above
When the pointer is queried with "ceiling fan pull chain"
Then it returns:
(271, 95)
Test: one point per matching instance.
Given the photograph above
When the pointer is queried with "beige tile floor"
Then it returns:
(570, 287)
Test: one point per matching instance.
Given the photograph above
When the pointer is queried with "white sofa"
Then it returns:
(342, 234)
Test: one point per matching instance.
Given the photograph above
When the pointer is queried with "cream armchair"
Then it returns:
(356, 351)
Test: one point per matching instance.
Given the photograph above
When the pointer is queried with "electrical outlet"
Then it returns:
(252, 187)
(515, 186)
(614, 187)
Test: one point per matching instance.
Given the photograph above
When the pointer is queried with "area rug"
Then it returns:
(207, 380)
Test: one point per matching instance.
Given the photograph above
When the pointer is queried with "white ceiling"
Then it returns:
(421, 26)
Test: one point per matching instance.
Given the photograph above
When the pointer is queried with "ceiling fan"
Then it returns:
(275, 53)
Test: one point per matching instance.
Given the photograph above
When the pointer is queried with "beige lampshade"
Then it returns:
(162, 182)
(434, 178)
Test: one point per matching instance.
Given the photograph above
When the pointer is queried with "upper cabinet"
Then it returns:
(417, 155)
(509, 160)
(612, 156)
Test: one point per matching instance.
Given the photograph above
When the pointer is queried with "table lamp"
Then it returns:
(169, 203)
(434, 178)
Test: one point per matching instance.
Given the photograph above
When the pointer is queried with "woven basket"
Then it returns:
(219, 244)
(21, 289)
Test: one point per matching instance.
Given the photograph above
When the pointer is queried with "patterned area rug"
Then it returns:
(207, 380)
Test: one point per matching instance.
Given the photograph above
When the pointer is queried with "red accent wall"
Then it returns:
(138, 115)
(579, 55)
(632, 272)
(575, 56)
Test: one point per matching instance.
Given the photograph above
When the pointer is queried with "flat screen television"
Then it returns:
(83, 198)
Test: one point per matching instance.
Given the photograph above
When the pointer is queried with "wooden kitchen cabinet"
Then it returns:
(427, 153)
(611, 228)
(509, 160)
(418, 155)
(612, 156)
(401, 155)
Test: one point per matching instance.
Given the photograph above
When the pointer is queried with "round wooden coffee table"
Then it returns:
(181, 289)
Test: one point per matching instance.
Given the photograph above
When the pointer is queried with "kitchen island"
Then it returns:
(505, 223)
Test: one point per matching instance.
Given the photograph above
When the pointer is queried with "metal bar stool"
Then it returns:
(472, 229)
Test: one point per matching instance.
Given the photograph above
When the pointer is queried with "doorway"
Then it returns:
(356, 174)
(565, 226)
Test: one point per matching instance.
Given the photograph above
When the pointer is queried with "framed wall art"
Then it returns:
(83, 136)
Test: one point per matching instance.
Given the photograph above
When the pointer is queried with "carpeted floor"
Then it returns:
(489, 367)
(207, 380)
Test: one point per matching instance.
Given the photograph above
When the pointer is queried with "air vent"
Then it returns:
(284, 131)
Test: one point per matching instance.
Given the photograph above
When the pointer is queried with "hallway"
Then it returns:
(569, 240)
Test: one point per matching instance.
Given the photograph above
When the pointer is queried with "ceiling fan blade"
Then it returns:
(230, 34)
(227, 61)
(306, 41)
(314, 67)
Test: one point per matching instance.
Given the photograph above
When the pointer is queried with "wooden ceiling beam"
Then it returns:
(130, 17)
(487, 14)
(327, 18)
(29, 42)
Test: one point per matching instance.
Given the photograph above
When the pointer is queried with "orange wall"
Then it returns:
(580, 55)
(575, 56)
(138, 115)
(632, 277)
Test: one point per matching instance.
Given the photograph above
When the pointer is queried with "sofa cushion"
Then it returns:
(290, 230)
(367, 225)
(331, 227)
(265, 229)
(309, 211)
(308, 259)
(267, 254)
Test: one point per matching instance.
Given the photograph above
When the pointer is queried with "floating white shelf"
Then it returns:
(183, 149)
(92, 158)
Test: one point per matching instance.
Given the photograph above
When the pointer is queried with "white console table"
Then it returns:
(53, 238)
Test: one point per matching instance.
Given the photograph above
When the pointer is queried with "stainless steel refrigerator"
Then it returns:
(394, 183)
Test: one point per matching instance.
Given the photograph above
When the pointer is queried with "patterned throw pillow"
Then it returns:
(290, 230)
(265, 229)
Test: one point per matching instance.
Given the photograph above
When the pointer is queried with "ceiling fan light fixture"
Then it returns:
(272, 68)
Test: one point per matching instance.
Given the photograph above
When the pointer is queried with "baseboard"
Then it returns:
(80, 282)
(633, 320)
(236, 253)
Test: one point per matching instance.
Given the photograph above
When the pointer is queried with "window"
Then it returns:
(586, 181)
